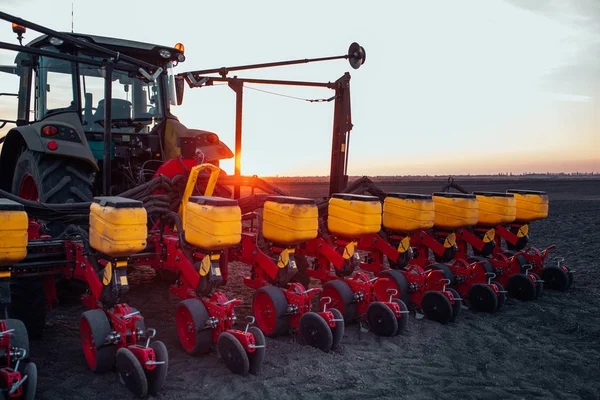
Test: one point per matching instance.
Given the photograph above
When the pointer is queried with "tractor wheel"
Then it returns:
(191, 318)
(29, 369)
(382, 319)
(556, 278)
(28, 304)
(501, 295)
(398, 282)
(269, 305)
(131, 372)
(539, 285)
(258, 356)
(53, 180)
(315, 331)
(94, 328)
(521, 287)
(156, 377)
(339, 329)
(457, 306)
(482, 298)
(403, 320)
(18, 338)
(342, 298)
(437, 307)
(233, 354)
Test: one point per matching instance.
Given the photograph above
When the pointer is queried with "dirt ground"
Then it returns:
(545, 349)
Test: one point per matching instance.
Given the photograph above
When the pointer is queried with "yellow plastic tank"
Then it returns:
(531, 204)
(455, 210)
(289, 221)
(13, 232)
(406, 212)
(496, 208)
(118, 226)
(212, 223)
(352, 216)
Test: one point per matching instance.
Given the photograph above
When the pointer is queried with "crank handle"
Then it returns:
(150, 336)
(127, 316)
(251, 320)
(229, 301)
(7, 331)
(155, 362)
(256, 346)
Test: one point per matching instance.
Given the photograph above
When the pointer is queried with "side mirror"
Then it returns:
(179, 88)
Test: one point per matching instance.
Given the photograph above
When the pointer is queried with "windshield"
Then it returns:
(136, 103)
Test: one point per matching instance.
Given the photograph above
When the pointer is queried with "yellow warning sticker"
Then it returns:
(107, 275)
(523, 231)
(489, 236)
(124, 280)
(349, 250)
(284, 258)
(404, 245)
(450, 240)
(205, 266)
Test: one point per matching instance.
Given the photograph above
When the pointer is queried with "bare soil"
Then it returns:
(549, 348)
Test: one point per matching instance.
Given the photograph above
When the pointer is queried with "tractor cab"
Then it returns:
(62, 109)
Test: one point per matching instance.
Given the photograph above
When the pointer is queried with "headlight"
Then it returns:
(164, 53)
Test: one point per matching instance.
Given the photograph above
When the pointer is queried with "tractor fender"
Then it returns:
(30, 136)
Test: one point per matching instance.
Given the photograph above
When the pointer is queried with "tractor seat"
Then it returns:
(121, 109)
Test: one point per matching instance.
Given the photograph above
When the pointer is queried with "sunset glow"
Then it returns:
(448, 87)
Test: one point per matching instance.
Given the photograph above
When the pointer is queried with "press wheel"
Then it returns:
(382, 319)
(501, 295)
(556, 278)
(131, 372)
(30, 385)
(315, 331)
(482, 298)
(437, 307)
(233, 354)
(521, 287)
(457, 306)
(539, 285)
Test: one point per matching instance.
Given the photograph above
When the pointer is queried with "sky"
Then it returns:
(459, 87)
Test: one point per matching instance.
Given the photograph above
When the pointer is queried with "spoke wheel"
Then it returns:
(315, 331)
(258, 356)
(131, 372)
(233, 354)
(483, 298)
(437, 307)
(382, 319)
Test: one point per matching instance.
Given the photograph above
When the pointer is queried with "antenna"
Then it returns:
(72, 18)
